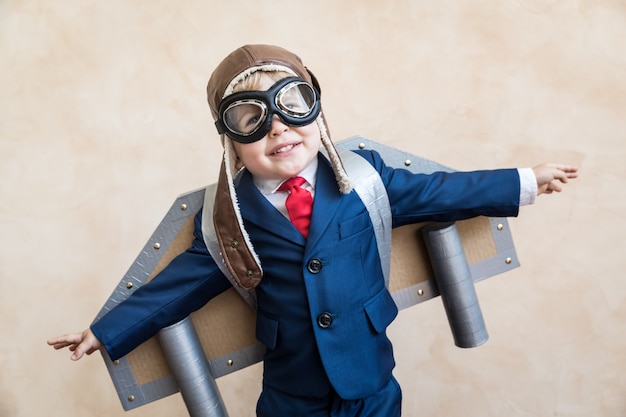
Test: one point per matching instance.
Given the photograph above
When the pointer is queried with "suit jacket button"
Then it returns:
(314, 266)
(324, 320)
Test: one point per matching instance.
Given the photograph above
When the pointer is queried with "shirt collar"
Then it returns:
(270, 186)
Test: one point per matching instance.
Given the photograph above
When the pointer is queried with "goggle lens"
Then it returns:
(245, 116)
(296, 99)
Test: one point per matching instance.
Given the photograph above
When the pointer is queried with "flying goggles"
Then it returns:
(246, 116)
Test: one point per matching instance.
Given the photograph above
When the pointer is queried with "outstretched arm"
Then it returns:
(79, 343)
(549, 176)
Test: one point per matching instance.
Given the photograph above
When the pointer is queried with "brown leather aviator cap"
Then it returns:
(245, 58)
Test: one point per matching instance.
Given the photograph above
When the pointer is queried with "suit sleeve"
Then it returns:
(447, 196)
(185, 285)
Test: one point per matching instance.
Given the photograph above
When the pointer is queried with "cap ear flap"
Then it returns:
(314, 81)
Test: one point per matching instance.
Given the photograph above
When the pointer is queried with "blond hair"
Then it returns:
(253, 81)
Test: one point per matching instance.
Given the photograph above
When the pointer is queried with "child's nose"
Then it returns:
(278, 126)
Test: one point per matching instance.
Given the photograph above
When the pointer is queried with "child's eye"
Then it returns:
(252, 121)
(294, 105)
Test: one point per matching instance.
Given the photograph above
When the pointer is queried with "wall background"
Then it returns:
(103, 122)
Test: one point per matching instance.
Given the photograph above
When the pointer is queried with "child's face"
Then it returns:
(284, 152)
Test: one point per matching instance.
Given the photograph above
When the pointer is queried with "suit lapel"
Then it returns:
(326, 202)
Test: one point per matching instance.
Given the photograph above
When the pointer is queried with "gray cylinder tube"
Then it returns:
(188, 363)
(455, 284)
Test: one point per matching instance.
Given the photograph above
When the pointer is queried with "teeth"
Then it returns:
(285, 149)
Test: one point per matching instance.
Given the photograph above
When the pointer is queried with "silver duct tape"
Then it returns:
(185, 357)
(370, 188)
(455, 284)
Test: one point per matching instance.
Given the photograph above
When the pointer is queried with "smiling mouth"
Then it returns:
(284, 149)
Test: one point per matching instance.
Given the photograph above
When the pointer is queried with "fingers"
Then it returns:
(565, 172)
(79, 344)
(66, 340)
(79, 351)
(88, 345)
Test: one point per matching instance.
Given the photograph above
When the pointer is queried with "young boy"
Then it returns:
(322, 303)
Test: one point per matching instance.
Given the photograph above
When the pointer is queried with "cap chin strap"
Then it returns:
(214, 246)
(222, 227)
(228, 244)
(343, 179)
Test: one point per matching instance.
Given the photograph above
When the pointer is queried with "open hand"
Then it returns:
(550, 177)
(79, 343)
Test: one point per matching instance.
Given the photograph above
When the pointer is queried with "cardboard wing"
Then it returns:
(226, 325)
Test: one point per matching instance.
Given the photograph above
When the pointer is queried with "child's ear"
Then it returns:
(238, 163)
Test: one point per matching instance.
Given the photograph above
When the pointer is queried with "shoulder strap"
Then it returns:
(370, 189)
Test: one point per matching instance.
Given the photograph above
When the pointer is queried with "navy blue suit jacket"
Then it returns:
(322, 304)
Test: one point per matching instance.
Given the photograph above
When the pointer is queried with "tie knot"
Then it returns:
(292, 183)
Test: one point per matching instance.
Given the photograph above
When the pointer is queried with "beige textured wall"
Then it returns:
(103, 122)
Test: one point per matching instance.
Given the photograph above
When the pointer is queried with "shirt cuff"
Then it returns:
(527, 186)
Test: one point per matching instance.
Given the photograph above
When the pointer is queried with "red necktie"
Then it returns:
(299, 204)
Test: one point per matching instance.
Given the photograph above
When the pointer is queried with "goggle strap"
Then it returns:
(219, 125)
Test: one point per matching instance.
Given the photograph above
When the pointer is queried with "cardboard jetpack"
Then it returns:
(226, 325)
